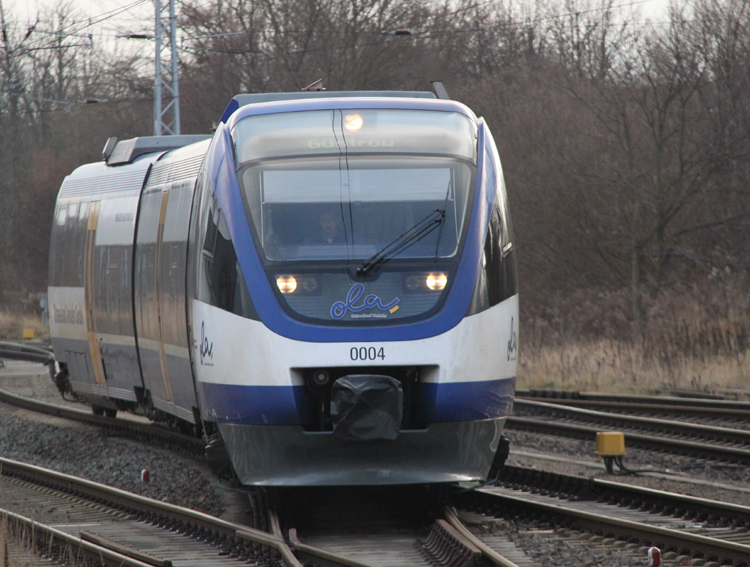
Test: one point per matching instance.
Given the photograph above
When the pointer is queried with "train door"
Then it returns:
(160, 260)
(158, 299)
(172, 302)
(148, 316)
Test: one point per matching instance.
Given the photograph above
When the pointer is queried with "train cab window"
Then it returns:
(342, 200)
(376, 201)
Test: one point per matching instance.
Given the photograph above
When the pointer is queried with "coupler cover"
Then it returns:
(366, 407)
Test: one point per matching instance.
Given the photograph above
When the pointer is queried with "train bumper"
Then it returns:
(289, 456)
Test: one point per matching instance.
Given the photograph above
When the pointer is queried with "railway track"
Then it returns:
(80, 518)
(443, 542)
(712, 411)
(386, 527)
(72, 519)
(617, 493)
(701, 441)
(617, 515)
(122, 525)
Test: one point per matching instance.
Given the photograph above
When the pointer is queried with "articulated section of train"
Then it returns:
(327, 286)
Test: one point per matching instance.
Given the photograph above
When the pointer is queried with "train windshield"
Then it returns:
(358, 188)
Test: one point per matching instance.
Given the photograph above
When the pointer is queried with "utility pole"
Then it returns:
(166, 88)
(9, 162)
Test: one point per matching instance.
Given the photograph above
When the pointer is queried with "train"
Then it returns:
(324, 289)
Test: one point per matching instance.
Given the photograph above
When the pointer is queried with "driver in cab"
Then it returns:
(328, 231)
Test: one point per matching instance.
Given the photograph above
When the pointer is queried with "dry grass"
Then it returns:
(618, 367)
(16, 551)
(692, 338)
(12, 326)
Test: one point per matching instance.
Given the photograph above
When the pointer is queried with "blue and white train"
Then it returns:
(327, 286)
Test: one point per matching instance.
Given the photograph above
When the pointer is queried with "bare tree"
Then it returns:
(654, 104)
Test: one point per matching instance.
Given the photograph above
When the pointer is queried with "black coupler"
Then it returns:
(366, 407)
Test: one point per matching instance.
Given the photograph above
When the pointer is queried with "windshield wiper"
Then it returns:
(407, 239)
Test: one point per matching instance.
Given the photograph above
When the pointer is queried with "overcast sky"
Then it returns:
(140, 16)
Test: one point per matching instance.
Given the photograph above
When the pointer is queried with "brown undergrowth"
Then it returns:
(21, 548)
(692, 337)
(12, 326)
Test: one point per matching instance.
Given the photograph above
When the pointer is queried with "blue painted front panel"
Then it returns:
(220, 165)
(256, 405)
(285, 405)
(465, 401)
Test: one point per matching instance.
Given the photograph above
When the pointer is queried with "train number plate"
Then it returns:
(367, 353)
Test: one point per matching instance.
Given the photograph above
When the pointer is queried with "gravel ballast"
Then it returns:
(89, 453)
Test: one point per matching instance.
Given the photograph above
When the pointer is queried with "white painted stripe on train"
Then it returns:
(232, 350)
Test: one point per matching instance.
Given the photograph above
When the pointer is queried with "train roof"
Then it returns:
(125, 151)
(246, 99)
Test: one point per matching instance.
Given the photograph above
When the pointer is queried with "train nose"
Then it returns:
(366, 407)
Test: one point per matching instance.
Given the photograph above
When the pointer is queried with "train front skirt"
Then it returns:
(289, 456)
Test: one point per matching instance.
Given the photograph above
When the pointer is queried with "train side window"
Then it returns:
(500, 259)
(58, 232)
(80, 251)
(496, 280)
(220, 269)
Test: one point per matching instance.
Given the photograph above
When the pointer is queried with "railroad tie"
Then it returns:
(446, 547)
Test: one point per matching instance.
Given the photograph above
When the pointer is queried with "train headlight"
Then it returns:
(287, 284)
(353, 122)
(436, 281)
(425, 282)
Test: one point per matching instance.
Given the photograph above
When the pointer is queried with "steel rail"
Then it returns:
(709, 446)
(592, 489)
(738, 412)
(646, 534)
(155, 510)
(460, 540)
(564, 397)
(700, 431)
(28, 353)
(309, 550)
(448, 543)
(651, 442)
(487, 551)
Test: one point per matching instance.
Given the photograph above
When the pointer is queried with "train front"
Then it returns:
(355, 312)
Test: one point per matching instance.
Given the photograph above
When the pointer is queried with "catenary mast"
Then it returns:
(166, 88)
